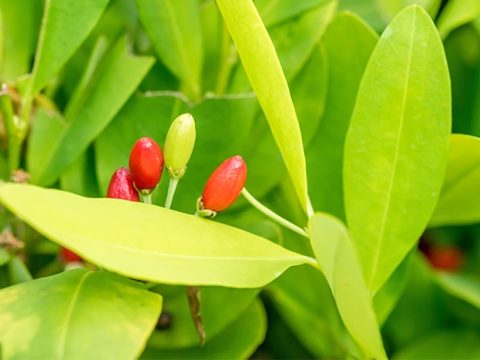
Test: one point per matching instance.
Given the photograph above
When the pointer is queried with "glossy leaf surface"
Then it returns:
(338, 261)
(58, 316)
(265, 73)
(397, 144)
(65, 25)
(149, 242)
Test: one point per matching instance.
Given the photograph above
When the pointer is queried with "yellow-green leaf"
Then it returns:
(93, 313)
(264, 71)
(459, 201)
(149, 242)
(338, 261)
(397, 144)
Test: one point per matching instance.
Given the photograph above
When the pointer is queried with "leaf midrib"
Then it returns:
(381, 233)
(68, 316)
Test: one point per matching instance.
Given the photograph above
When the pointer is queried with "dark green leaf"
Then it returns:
(348, 44)
(463, 286)
(119, 77)
(65, 25)
(446, 345)
(175, 31)
(274, 12)
(243, 336)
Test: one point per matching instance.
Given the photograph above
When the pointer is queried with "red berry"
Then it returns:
(225, 184)
(121, 186)
(69, 256)
(446, 258)
(146, 164)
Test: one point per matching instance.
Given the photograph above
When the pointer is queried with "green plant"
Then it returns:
(351, 163)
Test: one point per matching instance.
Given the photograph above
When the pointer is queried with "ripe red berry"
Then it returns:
(121, 186)
(446, 258)
(225, 184)
(69, 256)
(146, 164)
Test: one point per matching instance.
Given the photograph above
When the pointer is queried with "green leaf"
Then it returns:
(80, 177)
(81, 91)
(386, 299)
(338, 262)
(348, 44)
(65, 25)
(392, 171)
(77, 312)
(274, 12)
(366, 9)
(18, 271)
(182, 333)
(243, 336)
(119, 76)
(4, 257)
(463, 286)
(309, 92)
(268, 81)
(18, 37)
(296, 40)
(45, 131)
(390, 8)
(420, 310)
(459, 203)
(457, 13)
(174, 29)
(149, 242)
(446, 345)
(304, 300)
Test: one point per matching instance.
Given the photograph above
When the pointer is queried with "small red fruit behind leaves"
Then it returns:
(68, 256)
(224, 185)
(146, 164)
(121, 186)
(445, 258)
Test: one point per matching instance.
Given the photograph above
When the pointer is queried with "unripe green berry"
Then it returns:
(179, 145)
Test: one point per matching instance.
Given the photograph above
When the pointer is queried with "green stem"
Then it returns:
(172, 187)
(272, 215)
(16, 131)
(146, 198)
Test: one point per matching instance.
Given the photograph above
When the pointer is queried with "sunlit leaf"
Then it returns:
(95, 314)
(393, 171)
(338, 261)
(265, 73)
(150, 242)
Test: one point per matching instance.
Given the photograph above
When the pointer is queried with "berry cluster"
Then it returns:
(146, 164)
